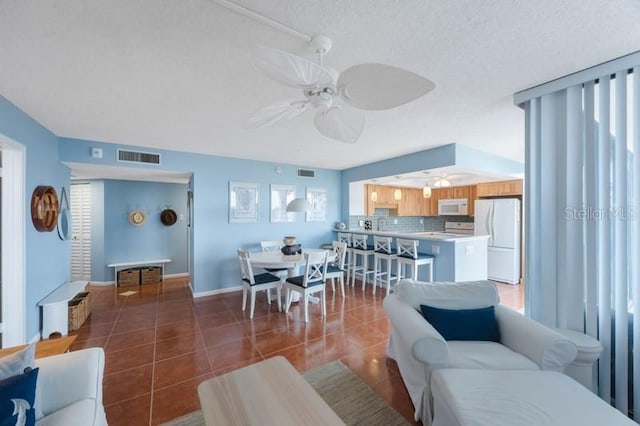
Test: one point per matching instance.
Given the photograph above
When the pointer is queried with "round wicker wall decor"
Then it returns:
(44, 208)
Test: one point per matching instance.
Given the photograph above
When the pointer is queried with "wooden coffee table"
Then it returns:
(270, 392)
(45, 348)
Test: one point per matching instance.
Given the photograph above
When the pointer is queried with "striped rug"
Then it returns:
(351, 399)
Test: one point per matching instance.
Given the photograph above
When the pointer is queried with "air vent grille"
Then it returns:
(306, 173)
(138, 157)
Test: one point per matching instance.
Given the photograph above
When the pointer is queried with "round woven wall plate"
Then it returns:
(137, 217)
(168, 217)
(44, 208)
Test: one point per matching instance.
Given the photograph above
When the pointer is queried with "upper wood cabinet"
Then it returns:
(413, 203)
(502, 188)
(385, 199)
(471, 209)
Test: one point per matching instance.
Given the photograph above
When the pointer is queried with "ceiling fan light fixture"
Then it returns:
(441, 183)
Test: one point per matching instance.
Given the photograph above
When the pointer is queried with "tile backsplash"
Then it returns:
(405, 223)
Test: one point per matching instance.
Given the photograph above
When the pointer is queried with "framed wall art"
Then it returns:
(317, 197)
(243, 202)
(281, 195)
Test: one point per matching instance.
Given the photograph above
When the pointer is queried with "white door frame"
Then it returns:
(13, 242)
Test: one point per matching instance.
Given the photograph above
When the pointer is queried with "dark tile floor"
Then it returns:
(160, 343)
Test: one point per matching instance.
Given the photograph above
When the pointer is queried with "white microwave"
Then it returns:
(453, 207)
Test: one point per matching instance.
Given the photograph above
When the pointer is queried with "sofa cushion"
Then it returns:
(486, 355)
(463, 324)
(17, 400)
(81, 413)
(447, 295)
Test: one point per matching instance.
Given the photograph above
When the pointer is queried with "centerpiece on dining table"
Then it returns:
(291, 246)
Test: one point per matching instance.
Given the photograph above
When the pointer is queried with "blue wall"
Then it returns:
(124, 242)
(215, 240)
(47, 257)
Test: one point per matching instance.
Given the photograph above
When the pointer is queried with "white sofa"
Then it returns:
(69, 389)
(419, 349)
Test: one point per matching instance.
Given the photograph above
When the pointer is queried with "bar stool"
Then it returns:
(345, 237)
(360, 248)
(408, 256)
(382, 253)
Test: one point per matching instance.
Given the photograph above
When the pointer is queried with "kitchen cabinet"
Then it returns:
(498, 189)
(472, 200)
(412, 204)
(385, 199)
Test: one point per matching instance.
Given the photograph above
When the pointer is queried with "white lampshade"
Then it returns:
(298, 205)
(426, 191)
(397, 194)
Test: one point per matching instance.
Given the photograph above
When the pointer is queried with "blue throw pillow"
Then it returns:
(17, 396)
(463, 324)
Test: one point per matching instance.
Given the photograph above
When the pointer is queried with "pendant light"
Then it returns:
(374, 193)
(426, 191)
(397, 194)
(299, 205)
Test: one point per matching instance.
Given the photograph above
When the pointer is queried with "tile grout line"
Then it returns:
(153, 360)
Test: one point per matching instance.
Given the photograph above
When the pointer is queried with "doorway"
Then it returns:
(12, 248)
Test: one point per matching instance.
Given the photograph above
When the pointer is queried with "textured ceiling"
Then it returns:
(175, 74)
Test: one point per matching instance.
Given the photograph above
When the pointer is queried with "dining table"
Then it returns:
(291, 262)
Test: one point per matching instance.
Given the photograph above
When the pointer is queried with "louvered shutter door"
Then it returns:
(81, 232)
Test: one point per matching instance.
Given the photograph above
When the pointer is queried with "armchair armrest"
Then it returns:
(69, 378)
(427, 345)
(547, 348)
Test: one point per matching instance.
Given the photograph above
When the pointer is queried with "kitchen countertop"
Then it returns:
(437, 236)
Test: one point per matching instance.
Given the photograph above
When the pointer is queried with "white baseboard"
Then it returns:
(217, 291)
(101, 283)
(180, 275)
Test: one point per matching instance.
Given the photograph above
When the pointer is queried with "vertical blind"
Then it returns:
(582, 177)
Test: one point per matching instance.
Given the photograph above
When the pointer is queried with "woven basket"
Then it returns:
(79, 310)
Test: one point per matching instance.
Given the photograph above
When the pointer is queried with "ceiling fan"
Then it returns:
(337, 98)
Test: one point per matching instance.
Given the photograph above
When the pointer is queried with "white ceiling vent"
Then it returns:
(138, 157)
(307, 173)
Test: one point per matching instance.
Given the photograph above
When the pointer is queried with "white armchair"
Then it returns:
(419, 348)
(69, 389)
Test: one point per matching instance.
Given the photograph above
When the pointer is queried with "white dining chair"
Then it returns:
(268, 246)
(254, 283)
(311, 282)
(345, 237)
(336, 268)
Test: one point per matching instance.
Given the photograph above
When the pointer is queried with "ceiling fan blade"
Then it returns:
(290, 69)
(340, 123)
(283, 110)
(379, 86)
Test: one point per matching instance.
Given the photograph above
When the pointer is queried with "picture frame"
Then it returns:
(317, 197)
(281, 195)
(243, 202)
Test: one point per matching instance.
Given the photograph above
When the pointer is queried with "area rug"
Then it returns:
(351, 399)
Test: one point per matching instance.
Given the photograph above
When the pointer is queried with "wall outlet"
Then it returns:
(421, 221)
(395, 221)
(361, 223)
(469, 250)
(435, 249)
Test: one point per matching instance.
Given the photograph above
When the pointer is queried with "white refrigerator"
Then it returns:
(499, 218)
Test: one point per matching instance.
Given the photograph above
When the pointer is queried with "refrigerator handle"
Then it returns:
(493, 224)
(489, 223)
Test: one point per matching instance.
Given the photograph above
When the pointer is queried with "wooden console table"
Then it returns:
(55, 310)
(45, 348)
(269, 393)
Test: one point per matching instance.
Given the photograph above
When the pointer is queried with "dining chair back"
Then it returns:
(270, 245)
(345, 237)
(310, 282)
(252, 283)
(336, 268)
